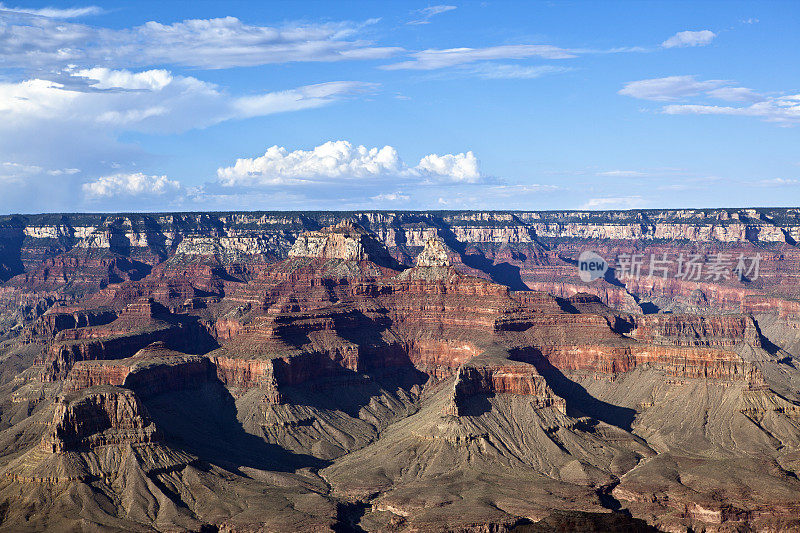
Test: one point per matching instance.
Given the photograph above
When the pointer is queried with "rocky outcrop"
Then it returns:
(346, 241)
(59, 318)
(694, 330)
(84, 271)
(140, 324)
(500, 378)
(433, 255)
(152, 370)
(98, 417)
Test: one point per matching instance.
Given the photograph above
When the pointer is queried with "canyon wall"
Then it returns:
(26, 241)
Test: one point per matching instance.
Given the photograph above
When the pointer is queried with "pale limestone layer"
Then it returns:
(433, 255)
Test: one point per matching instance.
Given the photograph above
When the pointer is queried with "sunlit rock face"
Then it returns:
(433, 255)
(395, 371)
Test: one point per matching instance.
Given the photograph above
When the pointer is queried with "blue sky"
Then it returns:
(380, 105)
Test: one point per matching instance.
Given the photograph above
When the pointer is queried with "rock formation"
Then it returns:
(395, 372)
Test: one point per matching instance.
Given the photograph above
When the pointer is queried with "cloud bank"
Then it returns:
(27, 40)
(136, 184)
(337, 161)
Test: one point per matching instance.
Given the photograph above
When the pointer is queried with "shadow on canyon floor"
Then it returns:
(579, 401)
(203, 422)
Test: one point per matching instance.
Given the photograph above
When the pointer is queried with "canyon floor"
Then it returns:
(404, 372)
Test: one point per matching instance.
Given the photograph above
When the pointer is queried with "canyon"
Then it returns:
(399, 371)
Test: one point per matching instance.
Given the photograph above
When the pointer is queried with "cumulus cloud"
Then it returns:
(336, 161)
(105, 78)
(455, 167)
(136, 184)
(53, 12)
(27, 41)
(784, 110)
(689, 38)
(426, 13)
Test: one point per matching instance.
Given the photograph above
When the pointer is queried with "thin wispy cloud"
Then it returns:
(492, 71)
(54, 12)
(669, 88)
(778, 182)
(424, 15)
(432, 59)
(623, 174)
(616, 202)
(783, 109)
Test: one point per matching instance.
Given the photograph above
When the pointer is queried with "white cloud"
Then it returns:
(149, 101)
(435, 59)
(428, 12)
(735, 94)
(623, 174)
(53, 12)
(784, 110)
(81, 120)
(104, 78)
(457, 167)
(136, 184)
(619, 202)
(515, 196)
(391, 197)
(492, 71)
(778, 182)
(11, 171)
(306, 97)
(689, 38)
(337, 161)
(27, 41)
(669, 88)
